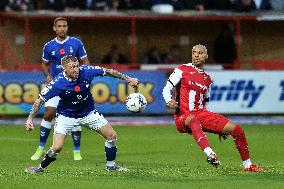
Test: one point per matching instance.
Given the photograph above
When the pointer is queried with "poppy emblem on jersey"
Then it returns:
(62, 51)
(77, 88)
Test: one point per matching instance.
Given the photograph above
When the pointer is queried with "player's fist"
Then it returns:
(29, 125)
(133, 82)
(172, 104)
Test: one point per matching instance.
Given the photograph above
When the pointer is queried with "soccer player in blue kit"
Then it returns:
(75, 108)
(53, 52)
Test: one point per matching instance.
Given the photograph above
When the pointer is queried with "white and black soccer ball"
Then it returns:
(136, 102)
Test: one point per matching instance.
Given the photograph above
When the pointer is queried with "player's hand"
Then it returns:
(222, 136)
(49, 78)
(133, 82)
(172, 104)
(29, 125)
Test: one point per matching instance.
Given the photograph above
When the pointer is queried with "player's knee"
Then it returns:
(110, 143)
(238, 132)
(57, 148)
(111, 135)
(194, 124)
(188, 120)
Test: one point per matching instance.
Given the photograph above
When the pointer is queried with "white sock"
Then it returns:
(110, 163)
(208, 151)
(45, 124)
(247, 163)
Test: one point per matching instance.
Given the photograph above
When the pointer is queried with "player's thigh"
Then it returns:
(63, 124)
(212, 122)
(94, 120)
(180, 122)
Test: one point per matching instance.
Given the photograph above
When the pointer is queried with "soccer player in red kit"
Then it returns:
(192, 84)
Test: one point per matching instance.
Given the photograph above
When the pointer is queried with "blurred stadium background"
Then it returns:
(247, 66)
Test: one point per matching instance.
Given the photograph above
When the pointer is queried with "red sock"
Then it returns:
(241, 142)
(197, 133)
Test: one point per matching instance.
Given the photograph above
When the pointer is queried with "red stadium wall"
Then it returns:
(23, 35)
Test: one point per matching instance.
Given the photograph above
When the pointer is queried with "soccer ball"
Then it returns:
(136, 102)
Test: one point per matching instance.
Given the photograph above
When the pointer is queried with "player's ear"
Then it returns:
(54, 29)
(206, 56)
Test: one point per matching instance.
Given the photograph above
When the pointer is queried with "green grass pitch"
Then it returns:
(158, 157)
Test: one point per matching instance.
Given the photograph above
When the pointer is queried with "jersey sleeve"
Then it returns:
(45, 54)
(93, 71)
(49, 91)
(81, 50)
(175, 77)
(173, 80)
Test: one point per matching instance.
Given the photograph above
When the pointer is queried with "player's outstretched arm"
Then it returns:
(37, 104)
(116, 74)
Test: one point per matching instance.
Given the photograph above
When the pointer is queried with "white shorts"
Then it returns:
(53, 102)
(93, 120)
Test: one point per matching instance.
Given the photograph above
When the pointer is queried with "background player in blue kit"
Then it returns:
(75, 108)
(53, 52)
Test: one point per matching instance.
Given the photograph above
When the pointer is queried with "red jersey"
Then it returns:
(192, 85)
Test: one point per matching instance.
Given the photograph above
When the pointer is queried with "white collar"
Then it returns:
(61, 42)
(198, 69)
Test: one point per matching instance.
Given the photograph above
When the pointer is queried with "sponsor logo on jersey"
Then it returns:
(53, 53)
(244, 90)
(79, 97)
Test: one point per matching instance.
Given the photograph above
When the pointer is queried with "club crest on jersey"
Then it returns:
(62, 51)
(77, 88)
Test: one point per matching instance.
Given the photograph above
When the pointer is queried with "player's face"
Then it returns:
(72, 70)
(199, 55)
(61, 29)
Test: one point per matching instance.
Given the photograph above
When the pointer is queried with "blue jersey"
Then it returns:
(54, 51)
(76, 98)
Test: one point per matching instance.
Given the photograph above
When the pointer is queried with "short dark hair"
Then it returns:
(59, 19)
(68, 58)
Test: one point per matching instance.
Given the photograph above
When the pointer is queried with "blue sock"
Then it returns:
(110, 153)
(76, 136)
(44, 133)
